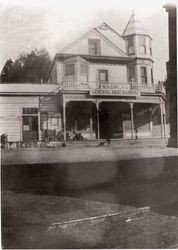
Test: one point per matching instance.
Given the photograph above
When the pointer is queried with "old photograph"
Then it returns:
(88, 124)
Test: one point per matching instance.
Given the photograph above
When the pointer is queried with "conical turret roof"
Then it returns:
(134, 27)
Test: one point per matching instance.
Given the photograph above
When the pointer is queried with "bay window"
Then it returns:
(69, 69)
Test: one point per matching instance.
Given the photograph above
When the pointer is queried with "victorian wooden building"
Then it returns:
(101, 85)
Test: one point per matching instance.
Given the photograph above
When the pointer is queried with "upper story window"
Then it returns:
(143, 75)
(103, 76)
(150, 47)
(142, 45)
(131, 74)
(152, 80)
(94, 47)
(130, 44)
(84, 69)
(69, 69)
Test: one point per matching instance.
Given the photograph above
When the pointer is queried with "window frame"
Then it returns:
(142, 45)
(26, 111)
(129, 70)
(73, 71)
(130, 45)
(105, 71)
(95, 46)
(152, 78)
(81, 71)
(150, 48)
(144, 75)
(54, 120)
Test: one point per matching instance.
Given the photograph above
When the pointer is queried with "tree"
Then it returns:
(28, 67)
(6, 73)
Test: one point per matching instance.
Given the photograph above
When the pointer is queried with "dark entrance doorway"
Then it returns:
(30, 128)
(111, 118)
(30, 124)
(81, 117)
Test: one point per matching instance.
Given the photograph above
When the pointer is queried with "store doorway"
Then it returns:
(30, 124)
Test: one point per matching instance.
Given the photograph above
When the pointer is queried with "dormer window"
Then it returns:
(94, 47)
(142, 45)
(130, 46)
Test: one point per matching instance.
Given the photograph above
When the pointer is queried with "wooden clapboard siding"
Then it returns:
(116, 73)
(49, 105)
(11, 114)
(11, 127)
(60, 71)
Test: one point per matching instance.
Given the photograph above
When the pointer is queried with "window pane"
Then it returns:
(150, 51)
(94, 46)
(131, 74)
(143, 75)
(84, 69)
(130, 46)
(103, 75)
(131, 50)
(142, 45)
(54, 121)
(152, 76)
(142, 41)
(142, 49)
(130, 41)
(69, 69)
(30, 111)
(150, 45)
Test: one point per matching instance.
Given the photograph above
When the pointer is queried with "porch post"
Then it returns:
(97, 114)
(39, 121)
(64, 119)
(150, 120)
(132, 121)
(162, 122)
(39, 126)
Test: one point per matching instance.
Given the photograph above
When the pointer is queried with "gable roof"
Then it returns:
(112, 35)
(134, 27)
(106, 33)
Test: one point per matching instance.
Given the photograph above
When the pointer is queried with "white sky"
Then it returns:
(52, 24)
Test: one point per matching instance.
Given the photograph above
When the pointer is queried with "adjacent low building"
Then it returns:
(101, 85)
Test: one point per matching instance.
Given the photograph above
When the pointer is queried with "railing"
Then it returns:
(160, 88)
(87, 85)
(74, 85)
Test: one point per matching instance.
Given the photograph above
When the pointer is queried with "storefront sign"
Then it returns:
(114, 92)
(115, 86)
